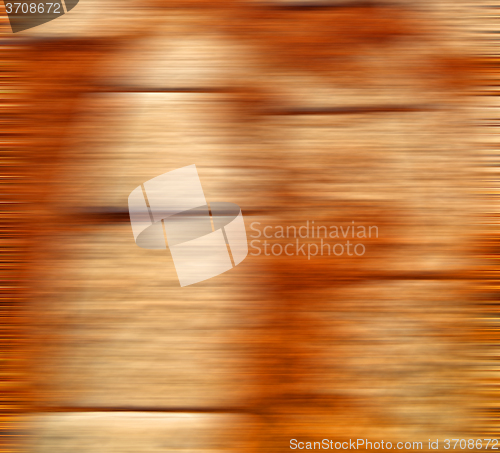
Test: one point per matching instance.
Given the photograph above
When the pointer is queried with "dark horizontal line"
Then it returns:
(354, 110)
(293, 111)
(301, 6)
(133, 89)
(113, 216)
(20, 41)
(169, 410)
(260, 409)
(436, 275)
(104, 216)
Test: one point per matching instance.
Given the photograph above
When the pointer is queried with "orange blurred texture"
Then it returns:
(378, 113)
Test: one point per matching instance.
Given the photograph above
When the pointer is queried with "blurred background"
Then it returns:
(381, 113)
